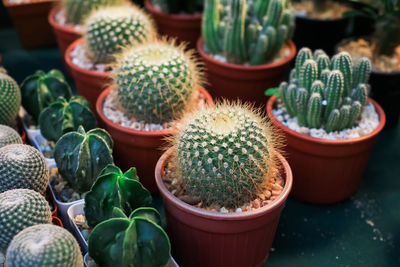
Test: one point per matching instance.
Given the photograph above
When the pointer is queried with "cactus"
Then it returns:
(44, 245)
(141, 241)
(179, 6)
(113, 188)
(41, 89)
(156, 81)
(23, 166)
(19, 209)
(9, 136)
(224, 155)
(108, 29)
(64, 116)
(10, 99)
(80, 156)
(247, 31)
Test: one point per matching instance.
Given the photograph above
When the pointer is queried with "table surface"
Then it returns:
(362, 231)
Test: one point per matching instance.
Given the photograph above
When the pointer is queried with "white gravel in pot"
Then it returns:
(61, 20)
(79, 58)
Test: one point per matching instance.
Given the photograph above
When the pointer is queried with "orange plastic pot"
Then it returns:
(248, 83)
(326, 171)
(140, 149)
(205, 238)
(186, 28)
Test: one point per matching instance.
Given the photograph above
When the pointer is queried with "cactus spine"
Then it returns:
(10, 99)
(8, 136)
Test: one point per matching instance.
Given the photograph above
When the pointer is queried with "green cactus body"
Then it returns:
(301, 106)
(360, 94)
(23, 166)
(347, 101)
(64, 116)
(10, 99)
(355, 112)
(41, 89)
(19, 209)
(308, 74)
(314, 111)
(155, 82)
(362, 72)
(317, 53)
(110, 28)
(325, 76)
(8, 136)
(302, 56)
(317, 87)
(53, 247)
(334, 91)
(323, 62)
(344, 63)
(332, 122)
(210, 25)
(81, 156)
(344, 117)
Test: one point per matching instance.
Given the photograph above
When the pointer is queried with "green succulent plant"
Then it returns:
(19, 209)
(64, 116)
(247, 31)
(41, 89)
(81, 156)
(10, 99)
(44, 245)
(114, 189)
(9, 136)
(180, 6)
(23, 166)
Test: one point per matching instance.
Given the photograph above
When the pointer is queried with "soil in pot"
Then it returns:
(63, 192)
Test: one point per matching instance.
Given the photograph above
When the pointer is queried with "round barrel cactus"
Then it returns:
(9, 136)
(23, 166)
(81, 156)
(19, 209)
(111, 28)
(156, 81)
(41, 89)
(64, 116)
(44, 245)
(10, 99)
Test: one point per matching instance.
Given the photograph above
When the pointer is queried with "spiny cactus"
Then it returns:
(76, 11)
(9, 136)
(41, 89)
(10, 99)
(244, 31)
(64, 116)
(19, 209)
(81, 156)
(110, 28)
(44, 245)
(23, 166)
(326, 93)
(179, 6)
(156, 81)
(224, 155)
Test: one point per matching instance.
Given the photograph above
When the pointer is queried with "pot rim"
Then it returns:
(7, 3)
(240, 67)
(54, 24)
(376, 131)
(184, 17)
(279, 201)
(116, 126)
(340, 19)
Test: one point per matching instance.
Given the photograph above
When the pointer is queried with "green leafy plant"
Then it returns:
(9, 136)
(10, 98)
(180, 6)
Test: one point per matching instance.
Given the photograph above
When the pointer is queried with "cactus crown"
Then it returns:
(108, 29)
(9, 136)
(324, 92)
(10, 99)
(225, 155)
(156, 81)
(179, 6)
(247, 31)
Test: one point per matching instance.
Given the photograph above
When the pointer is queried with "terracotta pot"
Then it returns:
(326, 171)
(30, 21)
(186, 28)
(140, 149)
(248, 83)
(205, 238)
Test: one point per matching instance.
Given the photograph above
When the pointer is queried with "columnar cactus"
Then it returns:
(44, 245)
(247, 31)
(326, 93)
(64, 116)
(19, 209)
(179, 6)
(23, 166)
(225, 155)
(111, 28)
(9, 136)
(10, 99)
(156, 81)
(81, 156)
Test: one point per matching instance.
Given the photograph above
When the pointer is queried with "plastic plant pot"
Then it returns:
(73, 211)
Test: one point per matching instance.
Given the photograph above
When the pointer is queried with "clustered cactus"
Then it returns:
(44, 245)
(247, 31)
(9, 136)
(156, 81)
(109, 29)
(179, 6)
(326, 93)
(10, 98)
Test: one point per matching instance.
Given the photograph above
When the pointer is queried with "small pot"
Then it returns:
(205, 238)
(184, 27)
(248, 83)
(140, 149)
(73, 211)
(30, 21)
(326, 171)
